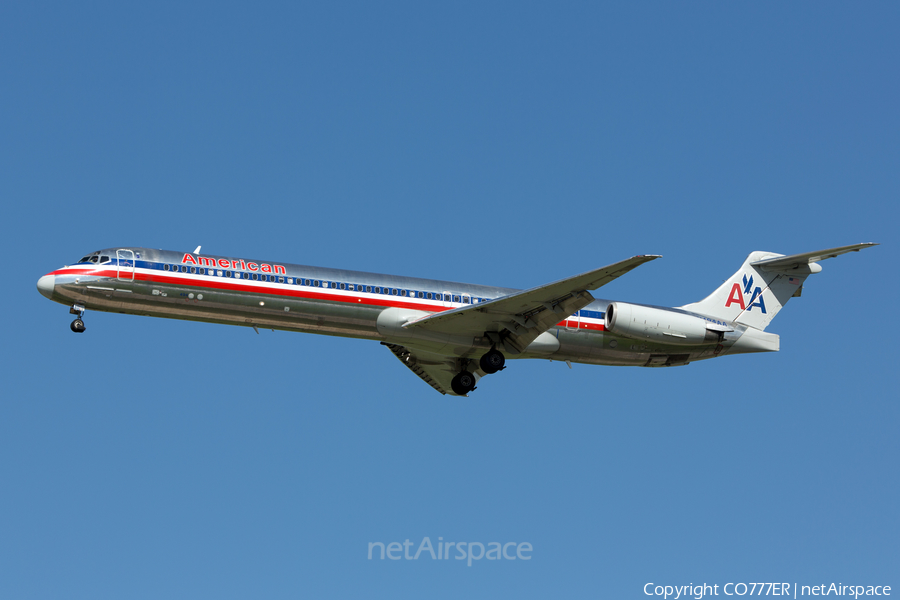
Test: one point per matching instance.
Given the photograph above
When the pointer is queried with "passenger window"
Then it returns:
(193, 269)
(165, 267)
(369, 288)
(465, 299)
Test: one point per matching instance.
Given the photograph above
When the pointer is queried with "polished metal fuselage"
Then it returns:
(159, 283)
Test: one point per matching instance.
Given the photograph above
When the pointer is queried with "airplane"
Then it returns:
(449, 334)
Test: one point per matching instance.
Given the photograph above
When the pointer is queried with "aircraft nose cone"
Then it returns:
(46, 284)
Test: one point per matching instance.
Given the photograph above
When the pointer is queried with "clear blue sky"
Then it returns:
(508, 144)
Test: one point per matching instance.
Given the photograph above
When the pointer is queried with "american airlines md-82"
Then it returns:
(449, 334)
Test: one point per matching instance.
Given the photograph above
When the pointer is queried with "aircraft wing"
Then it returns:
(435, 370)
(792, 261)
(518, 319)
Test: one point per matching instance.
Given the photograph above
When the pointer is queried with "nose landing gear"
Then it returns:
(78, 324)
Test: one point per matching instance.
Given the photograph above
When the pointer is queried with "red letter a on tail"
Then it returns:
(735, 297)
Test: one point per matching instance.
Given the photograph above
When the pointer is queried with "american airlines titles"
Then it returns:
(224, 263)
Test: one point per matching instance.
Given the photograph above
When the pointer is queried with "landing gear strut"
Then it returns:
(77, 325)
(463, 383)
(492, 361)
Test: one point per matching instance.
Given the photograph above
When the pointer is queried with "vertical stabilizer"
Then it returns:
(763, 285)
(753, 296)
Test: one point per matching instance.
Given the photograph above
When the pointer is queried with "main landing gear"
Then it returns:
(463, 383)
(492, 361)
(78, 324)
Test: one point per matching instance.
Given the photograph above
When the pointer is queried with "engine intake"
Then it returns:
(660, 325)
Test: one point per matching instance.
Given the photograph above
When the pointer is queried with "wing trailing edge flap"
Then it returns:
(518, 319)
(435, 370)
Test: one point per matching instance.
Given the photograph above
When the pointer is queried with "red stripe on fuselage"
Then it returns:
(249, 286)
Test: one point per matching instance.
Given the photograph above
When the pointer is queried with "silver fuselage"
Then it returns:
(264, 294)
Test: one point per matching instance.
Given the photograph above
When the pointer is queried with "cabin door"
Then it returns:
(125, 266)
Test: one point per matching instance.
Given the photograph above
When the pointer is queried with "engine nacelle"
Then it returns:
(661, 326)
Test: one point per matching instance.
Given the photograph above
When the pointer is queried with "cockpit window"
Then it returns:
(92, 257)
(104, 259)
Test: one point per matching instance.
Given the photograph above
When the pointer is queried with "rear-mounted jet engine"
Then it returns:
(661, 326)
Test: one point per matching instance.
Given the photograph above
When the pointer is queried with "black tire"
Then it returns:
(492, 362)
(78, 326)
(463, 383)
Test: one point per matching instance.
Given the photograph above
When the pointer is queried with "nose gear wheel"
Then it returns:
(77, 325)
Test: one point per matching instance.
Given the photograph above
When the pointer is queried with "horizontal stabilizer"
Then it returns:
(783, 263)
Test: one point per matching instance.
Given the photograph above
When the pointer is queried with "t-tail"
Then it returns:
(763, 285)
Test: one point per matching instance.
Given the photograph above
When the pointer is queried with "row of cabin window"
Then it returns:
(370, 289)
